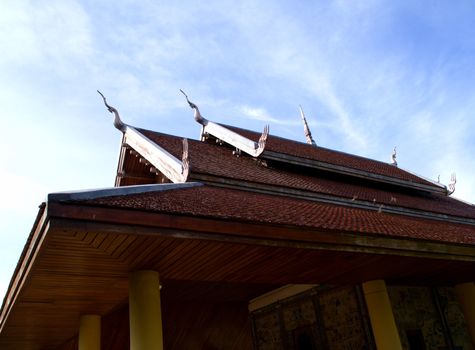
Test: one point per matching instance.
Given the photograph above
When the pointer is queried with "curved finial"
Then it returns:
(198, 117)
(261, 144)
(393, 157)
(453, 181)
(308, 134)
(117, 121)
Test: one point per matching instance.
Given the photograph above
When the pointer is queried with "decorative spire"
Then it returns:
(117, 121)
(453, 181)
(308, 134)
(198, 117)
(393, 157)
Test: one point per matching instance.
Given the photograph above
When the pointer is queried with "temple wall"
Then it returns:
(426, 318)
(316, 319)
(429, 315)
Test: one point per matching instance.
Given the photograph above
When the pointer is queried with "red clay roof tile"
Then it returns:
(218, 161)
(304, 150)
(220, 203)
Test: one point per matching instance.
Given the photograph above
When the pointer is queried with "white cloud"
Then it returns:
(261, 114)
(37, 32)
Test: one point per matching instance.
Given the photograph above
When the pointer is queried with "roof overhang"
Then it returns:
(78, 257)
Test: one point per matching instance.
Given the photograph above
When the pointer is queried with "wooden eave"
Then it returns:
(185, 226)
(79, 256)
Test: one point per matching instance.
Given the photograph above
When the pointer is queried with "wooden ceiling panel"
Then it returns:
(81, 272)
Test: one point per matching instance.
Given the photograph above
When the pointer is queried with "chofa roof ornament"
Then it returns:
(117, 121)
(198, 117)
(224, 134)
(453, 181)
(151, 154)
(308, 134)
(393, 157)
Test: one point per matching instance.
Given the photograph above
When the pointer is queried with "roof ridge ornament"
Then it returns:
(117, 121)
(224, 134)
(393, 157)
(453, 181)
(198, 117)
(150, 153)
(308, 134)
(261, 144)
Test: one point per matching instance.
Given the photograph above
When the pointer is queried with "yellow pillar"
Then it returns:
(89, 332)
(381, 315)
(145, 311)
(466, 296)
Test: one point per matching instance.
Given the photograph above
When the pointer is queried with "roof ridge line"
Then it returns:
(333, 150)
(350, 171)
(425, 178)
(116, 191)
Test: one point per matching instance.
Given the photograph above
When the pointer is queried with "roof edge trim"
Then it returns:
(270, 155)
(174, 169)
(323, 198)
(242, 143)
(435, 183)
(116, 191)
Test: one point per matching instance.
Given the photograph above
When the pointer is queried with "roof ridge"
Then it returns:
(318, 147)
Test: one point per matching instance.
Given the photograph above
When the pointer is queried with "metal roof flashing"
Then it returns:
(116, 191)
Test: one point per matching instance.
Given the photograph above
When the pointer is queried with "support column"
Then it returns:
(381, 315)
(145, 311)
(89, 332)
(466, 297)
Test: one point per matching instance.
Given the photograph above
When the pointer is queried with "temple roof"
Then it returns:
(217, 165)
(230, 204)
(251, 211)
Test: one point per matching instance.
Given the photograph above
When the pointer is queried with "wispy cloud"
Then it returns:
(43, 33)
(369, 74)
(261, 114)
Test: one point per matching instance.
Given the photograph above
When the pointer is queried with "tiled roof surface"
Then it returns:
(304, 150)
(220, 203)
(216, 160)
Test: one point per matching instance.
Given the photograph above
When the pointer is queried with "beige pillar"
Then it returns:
(145, 311)
(466, 296)
(89, 332)
(381, 315)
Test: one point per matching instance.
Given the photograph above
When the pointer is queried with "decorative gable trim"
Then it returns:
(241, 143)
(223, 134)
(158, 157)
(168, 165)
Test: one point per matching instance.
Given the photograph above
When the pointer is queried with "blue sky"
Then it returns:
(369, 74)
